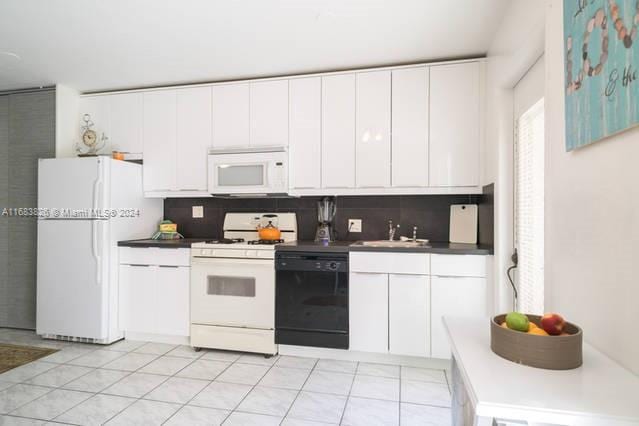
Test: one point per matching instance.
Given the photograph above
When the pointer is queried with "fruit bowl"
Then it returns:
(562, 352)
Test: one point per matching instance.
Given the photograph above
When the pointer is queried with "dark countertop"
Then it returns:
(181, 243)
(334, 247)
(346, 246)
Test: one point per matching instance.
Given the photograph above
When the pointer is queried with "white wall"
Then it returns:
(518, 43)
(592, 222)
(67, 110)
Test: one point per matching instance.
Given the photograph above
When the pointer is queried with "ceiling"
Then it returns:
(94, 45)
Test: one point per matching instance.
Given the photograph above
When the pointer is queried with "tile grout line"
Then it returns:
(348, 397)
(252, 386)
(399, 411)
(160, 384)
(130, 374)
(300, 390)
(100, 393)
(202, 390)
(238, 361)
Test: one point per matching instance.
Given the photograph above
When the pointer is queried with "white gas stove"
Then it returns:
(241, 239)
(233, 285)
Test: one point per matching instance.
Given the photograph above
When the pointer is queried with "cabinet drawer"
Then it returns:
(390, 263)
(455, 265)
(155, 256)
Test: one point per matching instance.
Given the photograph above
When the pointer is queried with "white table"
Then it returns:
(487, 387)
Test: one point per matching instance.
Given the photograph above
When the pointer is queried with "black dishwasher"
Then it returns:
(311, 299)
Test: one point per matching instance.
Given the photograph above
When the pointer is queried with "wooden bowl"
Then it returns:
(549, 352)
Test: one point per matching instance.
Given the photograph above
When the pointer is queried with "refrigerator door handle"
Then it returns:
(95, 249)
(97, 189)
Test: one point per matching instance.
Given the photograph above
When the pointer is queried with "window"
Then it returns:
(529, 208)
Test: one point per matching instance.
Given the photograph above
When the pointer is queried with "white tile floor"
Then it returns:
(138, 383)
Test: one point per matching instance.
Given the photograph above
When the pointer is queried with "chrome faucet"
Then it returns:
(392, 230)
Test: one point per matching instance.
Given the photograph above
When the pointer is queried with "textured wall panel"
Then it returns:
(4, 201)
(31, 136)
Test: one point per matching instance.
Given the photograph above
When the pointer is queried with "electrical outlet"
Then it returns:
(198, 212)
(354, 225)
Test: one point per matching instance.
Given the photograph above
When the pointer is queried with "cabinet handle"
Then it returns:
(169, 266)
(135, 265)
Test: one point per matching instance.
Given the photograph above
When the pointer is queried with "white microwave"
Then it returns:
(250, 171)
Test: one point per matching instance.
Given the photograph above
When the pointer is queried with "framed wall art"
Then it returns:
(601, 69)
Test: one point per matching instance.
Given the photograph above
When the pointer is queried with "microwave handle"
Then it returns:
(267, 168)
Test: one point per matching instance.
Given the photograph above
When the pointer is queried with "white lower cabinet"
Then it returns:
(173, 300)
(389, 313)
(368, 312)
(154, 298)
(454, 296)
(137, 290)
(408, 323)
(396, 306)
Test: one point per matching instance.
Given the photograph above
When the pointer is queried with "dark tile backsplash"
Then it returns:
(430, 213)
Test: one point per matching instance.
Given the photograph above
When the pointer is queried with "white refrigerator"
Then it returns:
(85, 206)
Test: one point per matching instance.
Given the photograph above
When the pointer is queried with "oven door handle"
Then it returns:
(209, 261)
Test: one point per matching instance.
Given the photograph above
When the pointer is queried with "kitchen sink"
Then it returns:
(386, 243)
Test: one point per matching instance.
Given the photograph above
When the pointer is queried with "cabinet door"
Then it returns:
(269, 113)
(126, 111)
(410, 127)
(305, 132)
(409, 311)
(230, 112)
(97, 107)
(454, 296)
(454, 125)
(338, 131)
(368, 312)
(373, 112)
(159, 140)
(138, 298)
(193, 137)
(173, 300)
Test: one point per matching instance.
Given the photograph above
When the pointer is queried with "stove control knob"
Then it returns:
(332, 266)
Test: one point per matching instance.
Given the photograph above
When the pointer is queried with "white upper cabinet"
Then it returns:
(373, 118)
(305, 132)
(269, 113)
(160, 121)
(126, 111)
(193, 138)
(338, 131)
(230, 113)
(454, 124)
(410, 127)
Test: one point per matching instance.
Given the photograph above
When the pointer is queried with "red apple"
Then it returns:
(553, 324)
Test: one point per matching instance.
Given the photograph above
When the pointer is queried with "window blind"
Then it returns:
(529, 208)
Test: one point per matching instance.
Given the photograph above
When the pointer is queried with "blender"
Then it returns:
(325, 214)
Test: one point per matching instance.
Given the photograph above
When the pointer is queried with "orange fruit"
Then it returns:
(532, 326)
(537, 331)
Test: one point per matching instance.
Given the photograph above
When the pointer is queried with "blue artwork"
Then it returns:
(601, 69)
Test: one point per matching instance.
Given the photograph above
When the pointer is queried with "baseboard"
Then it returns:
(378, 358)
(157, 338)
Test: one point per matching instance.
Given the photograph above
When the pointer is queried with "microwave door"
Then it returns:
(241, 177)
